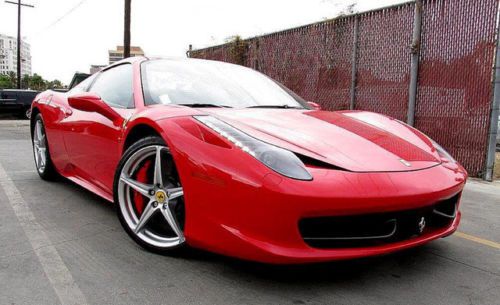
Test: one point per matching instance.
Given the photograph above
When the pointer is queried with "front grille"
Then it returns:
(377, 229)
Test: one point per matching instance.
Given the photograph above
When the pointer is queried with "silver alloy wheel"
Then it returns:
(40, 147)
(160, 198)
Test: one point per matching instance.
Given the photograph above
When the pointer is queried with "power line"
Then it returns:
(71, 10)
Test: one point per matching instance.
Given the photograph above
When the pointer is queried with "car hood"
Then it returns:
(352, 140)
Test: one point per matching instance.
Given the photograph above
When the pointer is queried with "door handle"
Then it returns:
(68, 112)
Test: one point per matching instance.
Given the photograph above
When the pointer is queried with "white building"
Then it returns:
(8, 56)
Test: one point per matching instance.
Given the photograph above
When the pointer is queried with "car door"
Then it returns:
(92, 140)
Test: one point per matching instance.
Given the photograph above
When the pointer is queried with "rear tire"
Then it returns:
(43, 162)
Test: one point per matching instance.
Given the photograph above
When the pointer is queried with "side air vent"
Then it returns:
(311, 162)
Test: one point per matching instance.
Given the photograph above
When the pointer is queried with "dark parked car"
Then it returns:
(17, 102)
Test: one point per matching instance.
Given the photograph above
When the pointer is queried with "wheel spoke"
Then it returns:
(158, 179)
(149, 210)
(41, 141)
(174, 193)
(39, 130)
(167, 213)
(136, 185)
(42, 156)
(37, 156)
(36, 139)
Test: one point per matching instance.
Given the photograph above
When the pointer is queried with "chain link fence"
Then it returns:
(364, 62)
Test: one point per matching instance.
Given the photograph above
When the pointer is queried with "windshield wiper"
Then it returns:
(201, 105)
(276, 106)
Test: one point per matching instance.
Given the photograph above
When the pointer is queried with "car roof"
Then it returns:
(135, 59)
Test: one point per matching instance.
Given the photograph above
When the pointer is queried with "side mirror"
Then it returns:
(314, 105)
(91, 102)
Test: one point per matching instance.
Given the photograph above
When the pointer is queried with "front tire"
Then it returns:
(43, 162)
(149, 197)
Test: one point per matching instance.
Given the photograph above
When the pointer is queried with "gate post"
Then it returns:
(354, 70)
(415, 58)
(495, 105)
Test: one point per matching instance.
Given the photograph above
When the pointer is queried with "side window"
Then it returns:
(115, 87)
(81, 87)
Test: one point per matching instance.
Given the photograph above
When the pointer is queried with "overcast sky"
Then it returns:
(68, 36)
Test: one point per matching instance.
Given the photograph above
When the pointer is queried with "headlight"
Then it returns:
(442, 152)
(278, 159)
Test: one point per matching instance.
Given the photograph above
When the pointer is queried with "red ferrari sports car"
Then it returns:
(220, 157)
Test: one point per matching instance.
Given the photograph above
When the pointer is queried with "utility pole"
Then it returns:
(126, 34)
(415, 61)
(19, 45)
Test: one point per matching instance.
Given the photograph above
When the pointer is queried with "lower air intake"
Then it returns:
(370, 230)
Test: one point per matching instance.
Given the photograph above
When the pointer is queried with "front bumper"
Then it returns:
(261, 222)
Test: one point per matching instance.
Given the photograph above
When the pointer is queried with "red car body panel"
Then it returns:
(237, 206)
(342, 140)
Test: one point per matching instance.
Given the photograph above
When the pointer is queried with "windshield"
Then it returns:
(199, 83)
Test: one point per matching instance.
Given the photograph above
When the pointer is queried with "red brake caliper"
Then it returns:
(141, 176)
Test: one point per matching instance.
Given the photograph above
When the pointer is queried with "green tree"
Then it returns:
(13, 78)
(238, 49)
(38, 83)
(5, 82)
(55, 84)
(35, 82)
(26, 81)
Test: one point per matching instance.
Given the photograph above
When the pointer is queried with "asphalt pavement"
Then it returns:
(59, 244)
